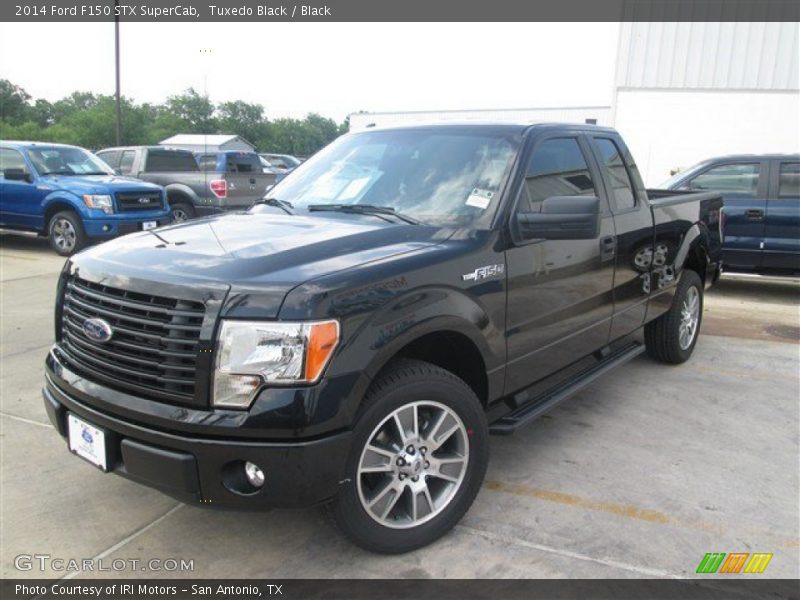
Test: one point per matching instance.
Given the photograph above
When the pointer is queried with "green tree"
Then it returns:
(194, 112)
(13, 102)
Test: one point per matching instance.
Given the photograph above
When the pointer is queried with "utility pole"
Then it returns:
(116, 59)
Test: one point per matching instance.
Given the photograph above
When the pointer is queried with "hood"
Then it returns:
(261, 254)
(97, 184)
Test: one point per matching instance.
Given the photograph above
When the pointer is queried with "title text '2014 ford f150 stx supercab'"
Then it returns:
(355, 337)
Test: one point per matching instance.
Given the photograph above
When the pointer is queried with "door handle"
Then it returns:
(608, 246)
(754, 214)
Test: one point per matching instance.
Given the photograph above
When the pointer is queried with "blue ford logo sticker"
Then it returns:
(87, 437)
(98, 330)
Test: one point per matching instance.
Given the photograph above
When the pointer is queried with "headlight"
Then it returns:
(251, 353)
(102, 202)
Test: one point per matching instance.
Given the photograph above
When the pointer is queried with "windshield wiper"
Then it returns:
(58, 173)
(364, 209)
(282, 204)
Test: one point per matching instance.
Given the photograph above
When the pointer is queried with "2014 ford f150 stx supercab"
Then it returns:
(356, 336)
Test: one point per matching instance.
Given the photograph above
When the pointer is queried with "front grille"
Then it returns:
(130, 201)
(154, 346)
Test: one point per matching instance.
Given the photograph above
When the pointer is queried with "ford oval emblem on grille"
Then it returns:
(98, 330)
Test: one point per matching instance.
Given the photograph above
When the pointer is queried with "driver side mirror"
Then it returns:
(16, 174)
(562, 218)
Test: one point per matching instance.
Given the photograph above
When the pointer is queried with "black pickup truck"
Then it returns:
(355, 337)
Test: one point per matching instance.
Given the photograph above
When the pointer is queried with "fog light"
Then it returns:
(254, 474)
(106, 227)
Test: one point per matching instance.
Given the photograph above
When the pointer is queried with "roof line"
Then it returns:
(471, 110)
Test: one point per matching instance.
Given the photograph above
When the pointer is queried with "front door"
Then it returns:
(19, 200)
(560, 300)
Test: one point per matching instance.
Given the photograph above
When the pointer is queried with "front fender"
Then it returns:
(67, 198)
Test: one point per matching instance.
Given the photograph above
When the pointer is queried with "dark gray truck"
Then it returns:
(191, 190)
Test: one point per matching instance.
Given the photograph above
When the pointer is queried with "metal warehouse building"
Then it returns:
(682, 92)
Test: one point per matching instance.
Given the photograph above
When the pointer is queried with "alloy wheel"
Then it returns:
(690, 317)
(64, 235)
(413, 464)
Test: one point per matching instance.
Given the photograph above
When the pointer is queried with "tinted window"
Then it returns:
(557, 168)
(166, 160)
(621, 185)
(126, 163)
(789, 181)
(207, 162)
(11, 159)
(741, 179)
(244, 163)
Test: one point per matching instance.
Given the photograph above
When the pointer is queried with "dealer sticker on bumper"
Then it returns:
(87, 441)
(149, 225)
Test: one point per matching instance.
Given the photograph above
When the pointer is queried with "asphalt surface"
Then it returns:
(638, 476)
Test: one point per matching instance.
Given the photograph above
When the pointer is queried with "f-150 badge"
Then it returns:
(484, 272)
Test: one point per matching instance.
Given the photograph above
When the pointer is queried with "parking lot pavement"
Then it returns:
(638, 476)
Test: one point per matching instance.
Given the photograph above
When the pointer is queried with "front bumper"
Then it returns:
(201, 470)
(106, 228)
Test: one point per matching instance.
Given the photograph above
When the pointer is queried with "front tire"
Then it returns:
(671, 338)
(65, 233)
(419, 456)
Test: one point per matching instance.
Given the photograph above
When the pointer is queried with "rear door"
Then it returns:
(743, 185)
(632, 246)
(560, 298)
(246, 179)
(782, 227)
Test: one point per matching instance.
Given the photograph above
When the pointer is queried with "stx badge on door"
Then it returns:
(484, 272)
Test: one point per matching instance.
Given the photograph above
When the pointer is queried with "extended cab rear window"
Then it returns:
(163, 160)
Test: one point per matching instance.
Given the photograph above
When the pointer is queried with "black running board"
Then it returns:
(528, 412)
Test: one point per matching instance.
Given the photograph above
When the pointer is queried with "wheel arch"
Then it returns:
(56, 204)
(178, 192)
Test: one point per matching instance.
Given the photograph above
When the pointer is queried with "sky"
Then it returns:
(329, 68)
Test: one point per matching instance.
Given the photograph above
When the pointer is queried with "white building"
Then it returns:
(208, 143)
(683, 92)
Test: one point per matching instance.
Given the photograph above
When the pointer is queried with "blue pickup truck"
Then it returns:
(762, 209)
(72, 197)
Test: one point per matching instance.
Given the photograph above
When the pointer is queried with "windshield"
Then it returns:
(435, 176)
(67, 161)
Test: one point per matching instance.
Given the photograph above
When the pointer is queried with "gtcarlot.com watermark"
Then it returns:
(48, 562)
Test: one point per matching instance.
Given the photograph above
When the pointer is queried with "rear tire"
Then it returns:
(182, 211)
(420, 482)
(671, 338)
(65, 233)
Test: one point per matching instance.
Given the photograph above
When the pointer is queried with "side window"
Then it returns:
(738, 179)
(789, 180)
(110, 157)
(208, 162)
(622, 187)
(126, 162)
(11, 159)
(557, 168)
